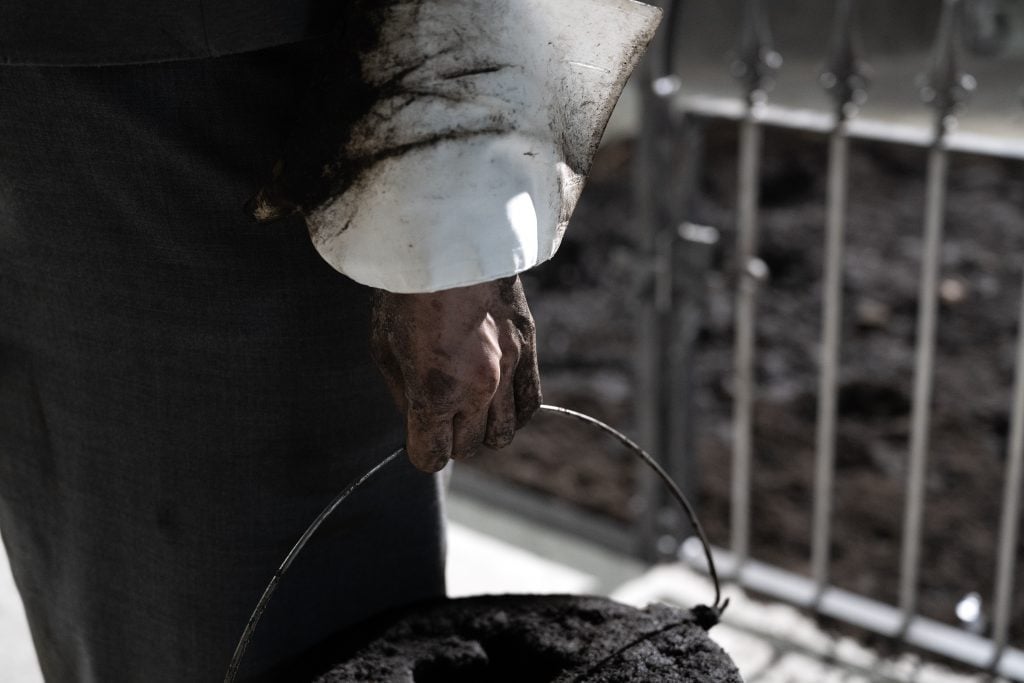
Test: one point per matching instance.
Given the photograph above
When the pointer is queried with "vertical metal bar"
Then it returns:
(755, 63)
(654, 204)
(692, 253)
(647, 318)
(746, 311)
(844, 79)
(680, 267)
(832, 316)
(945, 89)
(1009, 526)
(923, 366)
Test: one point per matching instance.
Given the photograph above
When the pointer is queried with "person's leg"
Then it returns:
(181, 391)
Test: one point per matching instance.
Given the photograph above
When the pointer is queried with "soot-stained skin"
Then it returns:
(343, 128)
(525, 383)
(461, 365)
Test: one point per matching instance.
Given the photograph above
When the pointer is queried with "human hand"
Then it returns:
(461, 365)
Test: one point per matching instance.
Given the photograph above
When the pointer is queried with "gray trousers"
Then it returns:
(182, 390)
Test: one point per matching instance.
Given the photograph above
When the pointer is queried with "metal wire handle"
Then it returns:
(250, 628)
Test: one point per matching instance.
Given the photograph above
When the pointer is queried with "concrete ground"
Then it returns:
(494, 552)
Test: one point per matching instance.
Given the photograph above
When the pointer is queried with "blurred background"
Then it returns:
(640, 313)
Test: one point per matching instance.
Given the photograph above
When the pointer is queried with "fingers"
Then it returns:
(431, 440)
(501, 417)
(428, 439)
(447, 415)
(501, 414)
(468, 434)
(476, 395)
(461, 364)
(526, 383)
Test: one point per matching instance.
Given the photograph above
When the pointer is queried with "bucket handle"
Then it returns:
(250, 628)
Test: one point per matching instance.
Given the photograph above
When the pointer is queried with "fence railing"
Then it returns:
(679, 258)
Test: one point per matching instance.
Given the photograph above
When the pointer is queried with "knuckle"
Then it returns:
(486, 377)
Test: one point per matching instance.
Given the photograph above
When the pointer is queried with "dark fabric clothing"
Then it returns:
(182, 390)
(80, 32)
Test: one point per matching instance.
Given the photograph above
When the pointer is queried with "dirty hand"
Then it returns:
(461, 364)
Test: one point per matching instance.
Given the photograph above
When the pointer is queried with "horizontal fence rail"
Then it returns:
(775, 116)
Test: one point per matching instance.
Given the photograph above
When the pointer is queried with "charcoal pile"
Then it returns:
(540, 639)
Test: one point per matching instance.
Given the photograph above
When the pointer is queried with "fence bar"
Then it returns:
(692, 253)
(1009, 526)
(944, 90)
(923, 364)
(754, 65)
(673, 271)
(746, 313)
(844, 79)
(650, 193)
(832, 316)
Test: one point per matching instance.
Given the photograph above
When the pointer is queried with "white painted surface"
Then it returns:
(17, 657)
(479, 564)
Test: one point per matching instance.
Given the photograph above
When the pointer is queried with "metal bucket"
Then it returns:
(534, 638)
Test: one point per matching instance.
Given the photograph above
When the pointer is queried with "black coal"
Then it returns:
(539, 639)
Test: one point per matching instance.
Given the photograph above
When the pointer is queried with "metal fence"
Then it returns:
(670, 318)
